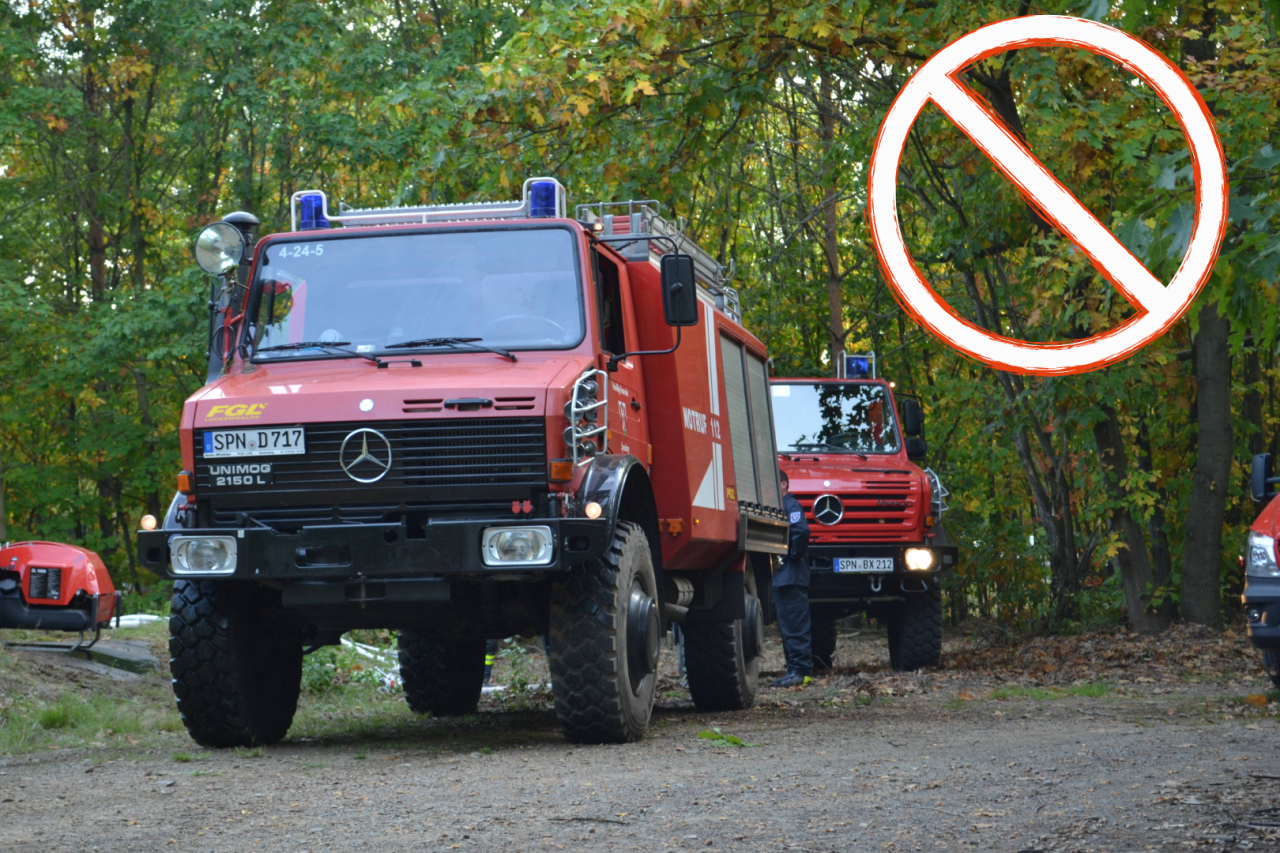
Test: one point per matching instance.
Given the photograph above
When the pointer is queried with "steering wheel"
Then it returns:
(560, 330)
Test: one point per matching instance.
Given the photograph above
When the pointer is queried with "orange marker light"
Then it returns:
(561, 470)
(186, 482)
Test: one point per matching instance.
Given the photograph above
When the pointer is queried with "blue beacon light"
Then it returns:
(542, 199)
(312, 209)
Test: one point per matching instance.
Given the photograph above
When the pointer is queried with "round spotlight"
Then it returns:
(219, 248)
(593, 510)
(148, 522)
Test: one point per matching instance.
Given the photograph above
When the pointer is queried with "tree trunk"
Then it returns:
(1202, 548)
(1161, 554)
(830, 241)
(1135, 565)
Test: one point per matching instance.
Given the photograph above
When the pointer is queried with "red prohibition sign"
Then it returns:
(1158, 305)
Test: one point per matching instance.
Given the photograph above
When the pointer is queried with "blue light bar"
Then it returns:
(857, 367)
(312, 206)
(543, 200)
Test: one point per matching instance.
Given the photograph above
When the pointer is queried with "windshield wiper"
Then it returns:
(335, 346)
(474, 343)
(833, 447)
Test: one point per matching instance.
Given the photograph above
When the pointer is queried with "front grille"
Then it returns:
(884, 510)
(45, 583)
(455, 455)
(297, 517)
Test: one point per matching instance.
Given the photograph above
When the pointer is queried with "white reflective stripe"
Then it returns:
(713, 384)
(718, 461)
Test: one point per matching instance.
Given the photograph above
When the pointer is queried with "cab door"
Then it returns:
(628, 422)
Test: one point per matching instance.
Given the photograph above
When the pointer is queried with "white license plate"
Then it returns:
(264, 441)
(864, 564)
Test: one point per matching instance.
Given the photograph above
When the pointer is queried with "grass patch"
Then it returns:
(256, 752)
(30, 723)
(719, 738)
(1090, 690)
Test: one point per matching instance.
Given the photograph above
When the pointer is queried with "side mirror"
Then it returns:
(912, 417)
(917, 448)
(1262, 477)
(679, 291)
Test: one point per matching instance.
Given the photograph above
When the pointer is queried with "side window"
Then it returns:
(609, 298)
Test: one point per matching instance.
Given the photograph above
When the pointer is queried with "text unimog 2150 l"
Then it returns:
(426, 421)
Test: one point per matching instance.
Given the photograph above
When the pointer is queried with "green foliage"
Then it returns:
(336, 667)
(719, 738)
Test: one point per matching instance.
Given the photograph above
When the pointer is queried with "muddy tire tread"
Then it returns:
(915, 632)
(586, 678)
(233, 689)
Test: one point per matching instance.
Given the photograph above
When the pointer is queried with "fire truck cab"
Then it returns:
(466, 422)
(876, 541)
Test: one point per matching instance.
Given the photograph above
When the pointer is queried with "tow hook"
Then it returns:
(876, 580)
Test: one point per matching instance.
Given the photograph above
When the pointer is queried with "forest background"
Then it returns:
(1118, 495)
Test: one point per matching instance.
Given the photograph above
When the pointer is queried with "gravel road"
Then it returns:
(862, 760)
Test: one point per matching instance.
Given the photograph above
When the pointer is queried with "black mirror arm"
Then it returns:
(612, 365)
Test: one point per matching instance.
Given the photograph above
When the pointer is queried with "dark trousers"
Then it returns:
(792, 605)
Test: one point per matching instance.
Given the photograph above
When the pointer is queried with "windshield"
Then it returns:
(516, 289)
(834, 418)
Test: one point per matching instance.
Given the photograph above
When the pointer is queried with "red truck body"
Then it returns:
(876, 542)
(419, 461)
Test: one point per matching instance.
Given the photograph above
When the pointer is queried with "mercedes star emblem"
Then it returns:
(379, 460)
(828, 509)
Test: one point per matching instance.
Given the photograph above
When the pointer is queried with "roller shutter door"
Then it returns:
(765, 446)
(739, 414)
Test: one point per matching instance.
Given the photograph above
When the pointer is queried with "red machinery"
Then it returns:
(876, 541)
(467, 422)
(55, 587)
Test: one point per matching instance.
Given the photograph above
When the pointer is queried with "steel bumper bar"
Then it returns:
(377, 550)
(1261, 600)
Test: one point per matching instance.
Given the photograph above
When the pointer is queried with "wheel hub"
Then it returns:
(643, 636)
(752, 629)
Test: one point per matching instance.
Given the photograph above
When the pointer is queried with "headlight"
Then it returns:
(203, 555)
(1262, 557)
(919, 559)
(516, 546)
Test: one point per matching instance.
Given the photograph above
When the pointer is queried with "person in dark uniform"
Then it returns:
(791, 595)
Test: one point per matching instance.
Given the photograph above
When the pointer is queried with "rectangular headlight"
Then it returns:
(918, 559)
(517, 546)
(203, 555)
(1261, 562)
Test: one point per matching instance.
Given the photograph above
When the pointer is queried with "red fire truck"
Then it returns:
(466, 422)
(1261, 596)
(876, 540)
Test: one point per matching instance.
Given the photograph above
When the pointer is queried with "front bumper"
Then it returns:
(826, 584)
(1261, 600)
(351, 551)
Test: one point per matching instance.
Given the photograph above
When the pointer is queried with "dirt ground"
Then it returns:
(1105, 742)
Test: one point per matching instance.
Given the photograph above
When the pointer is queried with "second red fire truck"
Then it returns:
(875, 517)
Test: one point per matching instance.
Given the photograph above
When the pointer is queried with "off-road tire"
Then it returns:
(822, 630)
(720, 676)
(915, 631)
(443, 678)
(587, 655)
(236, 662)
(1271, 663)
